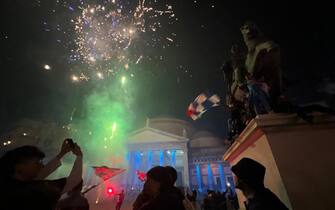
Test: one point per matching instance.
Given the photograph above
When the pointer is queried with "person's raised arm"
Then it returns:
(55, 162)
(75, 176)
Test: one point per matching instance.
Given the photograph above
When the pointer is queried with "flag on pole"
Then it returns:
(201, 104)
(106, 173)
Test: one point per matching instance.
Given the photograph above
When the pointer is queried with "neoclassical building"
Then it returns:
(196, 155)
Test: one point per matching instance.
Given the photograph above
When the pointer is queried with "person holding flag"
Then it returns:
(120, 199)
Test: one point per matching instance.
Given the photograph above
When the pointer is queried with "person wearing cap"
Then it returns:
(249, 178)
(159, 191)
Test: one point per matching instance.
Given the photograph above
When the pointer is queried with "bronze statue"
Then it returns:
(263, 69)
(253, 80)
(235, 72)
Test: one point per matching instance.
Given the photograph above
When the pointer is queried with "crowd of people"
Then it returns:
(24, 185)
(216, 200)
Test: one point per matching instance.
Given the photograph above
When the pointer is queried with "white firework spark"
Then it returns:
(106, 33)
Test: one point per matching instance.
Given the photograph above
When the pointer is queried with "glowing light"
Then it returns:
(47, 67)
(210, 176)
(222, 177)
(161, 157)
(228, 184)
(110, 191)
(9, 142)
(105, 147)
(123, 80)
(92, 59)
(126, 66)
(74, 78)
(139, 59)
(24, 134)
(169, 152)
(100, 75)
(104, 34)
(199, 177)
(114, 127)
(168, 38)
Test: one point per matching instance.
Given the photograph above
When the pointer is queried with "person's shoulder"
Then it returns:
(270, 199)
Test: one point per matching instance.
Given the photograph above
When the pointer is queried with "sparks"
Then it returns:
(75, 78)
(168, 38)
(47, 67)
(139, 59)
(114, 127)
(114, 36)
(92, 59)
(123, 80)
(126, 66)
(100, 75)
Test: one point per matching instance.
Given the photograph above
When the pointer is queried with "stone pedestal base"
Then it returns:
(299, 158)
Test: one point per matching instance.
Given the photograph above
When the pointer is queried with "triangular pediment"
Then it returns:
(150, 135)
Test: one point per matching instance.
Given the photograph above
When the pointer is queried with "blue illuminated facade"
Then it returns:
(197, 159)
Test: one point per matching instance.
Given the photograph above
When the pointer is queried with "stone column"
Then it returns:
(186, 169)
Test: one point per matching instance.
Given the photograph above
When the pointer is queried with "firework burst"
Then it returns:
(111, 36)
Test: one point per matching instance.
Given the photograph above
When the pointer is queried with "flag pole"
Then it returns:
(96, 185)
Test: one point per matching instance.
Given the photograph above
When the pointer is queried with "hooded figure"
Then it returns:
(250, 180)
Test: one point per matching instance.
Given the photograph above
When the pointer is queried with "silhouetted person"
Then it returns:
(74, 201)
(22, 178)
(206, 204)
(162, 194)
(119, 201)
(195, 194)
(187, 203)
(143, 198)
(172, 172)
(250, 180)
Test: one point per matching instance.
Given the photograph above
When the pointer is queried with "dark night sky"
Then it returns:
(305, 33)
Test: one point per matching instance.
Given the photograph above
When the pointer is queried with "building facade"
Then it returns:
(197, 156)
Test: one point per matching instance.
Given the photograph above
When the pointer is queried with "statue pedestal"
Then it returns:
(299, 158)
